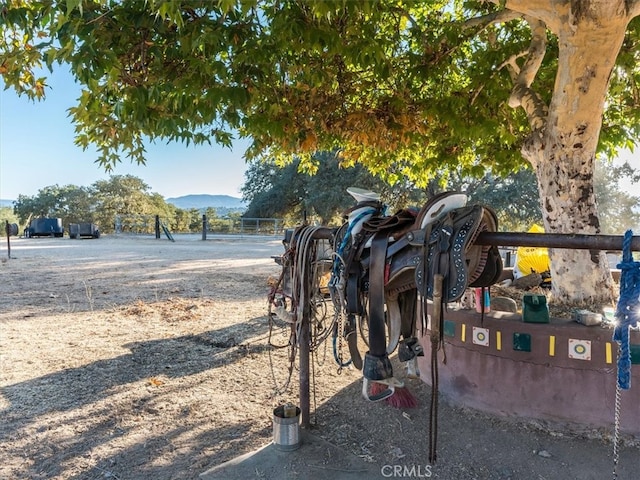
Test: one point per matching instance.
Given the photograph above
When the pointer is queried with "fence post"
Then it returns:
(204, 227)
(7, 229)
(157, 226)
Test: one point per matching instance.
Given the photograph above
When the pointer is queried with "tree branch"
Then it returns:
(522, 94)
(501, 16)
(633, 8)
(514, 70)
(540, 9)
(529, 70)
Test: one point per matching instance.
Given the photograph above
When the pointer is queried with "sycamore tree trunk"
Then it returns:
(562, 146)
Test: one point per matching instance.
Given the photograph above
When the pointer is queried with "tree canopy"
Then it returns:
(415, 86)
(280, 191)
(407, 88)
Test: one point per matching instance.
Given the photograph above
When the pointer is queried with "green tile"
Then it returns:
(522, 342)
(449, 328)
(635, 354)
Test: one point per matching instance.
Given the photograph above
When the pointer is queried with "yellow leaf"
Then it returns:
(310, 142)
(39, 87)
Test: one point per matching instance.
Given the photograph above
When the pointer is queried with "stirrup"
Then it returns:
(391, 383)
(409, 348)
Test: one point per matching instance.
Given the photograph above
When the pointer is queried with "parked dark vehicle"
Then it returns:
(79, 230)
(44, 227)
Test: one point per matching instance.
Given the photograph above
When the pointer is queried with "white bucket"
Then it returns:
(286, 427)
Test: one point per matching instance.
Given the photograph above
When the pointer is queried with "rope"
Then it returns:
(616, 433)
(299, 261)
(627, 316)
(628, 309)
(305, 288)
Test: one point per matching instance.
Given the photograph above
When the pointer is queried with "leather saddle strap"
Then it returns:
(424, 267)
(377, 337)
(353, 272)
(353, 289)
(441, 262)
(436, 338)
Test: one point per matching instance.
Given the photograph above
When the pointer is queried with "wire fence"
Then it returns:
(150, 224)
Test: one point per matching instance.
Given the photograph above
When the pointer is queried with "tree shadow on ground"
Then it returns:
(171, 357)
(59, 420)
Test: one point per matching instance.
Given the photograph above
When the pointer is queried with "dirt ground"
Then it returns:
(136, 358)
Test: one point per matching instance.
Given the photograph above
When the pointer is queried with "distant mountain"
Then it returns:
(202, 202)
(6, 203)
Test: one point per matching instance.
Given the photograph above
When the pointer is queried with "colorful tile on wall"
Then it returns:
(522, 342)
(635, 354)
(579, 349)
(481, 336)
(449, 328)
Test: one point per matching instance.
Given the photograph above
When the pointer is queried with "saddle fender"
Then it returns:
(394, 319)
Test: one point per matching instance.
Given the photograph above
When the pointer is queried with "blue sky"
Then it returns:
(37, 150)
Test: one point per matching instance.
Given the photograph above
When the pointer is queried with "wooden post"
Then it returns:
(157, 226)
(204, 227)
(7, 229)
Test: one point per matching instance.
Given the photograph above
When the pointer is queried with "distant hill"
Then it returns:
(6, 203)
(202, 202)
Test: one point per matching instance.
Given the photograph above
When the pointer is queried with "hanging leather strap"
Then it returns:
(354, 276)
(377, 336)
(436, 339)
